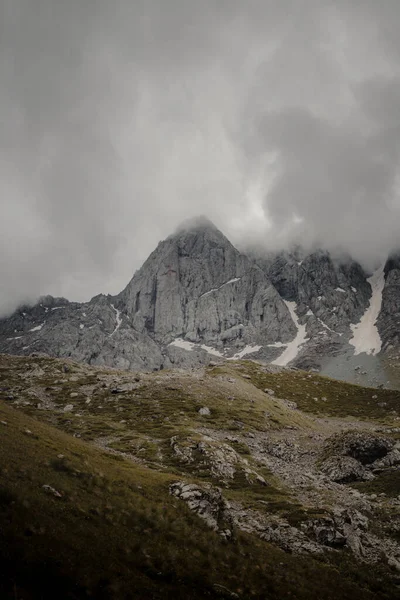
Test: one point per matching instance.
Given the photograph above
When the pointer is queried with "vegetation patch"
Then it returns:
(324, 396)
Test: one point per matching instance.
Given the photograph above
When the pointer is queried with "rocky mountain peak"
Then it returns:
(197, 297)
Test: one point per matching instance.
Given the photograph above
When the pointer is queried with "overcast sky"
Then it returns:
(278, 120)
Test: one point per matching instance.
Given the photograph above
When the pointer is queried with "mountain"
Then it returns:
(197, 298)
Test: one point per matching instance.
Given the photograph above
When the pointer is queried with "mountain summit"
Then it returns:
(198, 298)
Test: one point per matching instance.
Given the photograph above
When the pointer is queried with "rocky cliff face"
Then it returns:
(197, 286)
(389, 317)
(198, 298)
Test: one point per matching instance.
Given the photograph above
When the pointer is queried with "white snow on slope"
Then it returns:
(339, 289)
(14, 338)
(37, 328)
(118, 318)
(180, 343)
(247, 350)
(325, 325)
(209, 292)
(212, 351)
(57, 307)
(354, 289)
(366, 336)
(190, 346)
(221, 286)
(293, 347)
(231, 281)
(277, 345)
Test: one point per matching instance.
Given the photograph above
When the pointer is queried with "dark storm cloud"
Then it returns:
(119, 120)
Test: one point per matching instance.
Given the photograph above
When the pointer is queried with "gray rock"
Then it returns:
(363, 446)
(343, 469)
(206, 501)
(50, 490)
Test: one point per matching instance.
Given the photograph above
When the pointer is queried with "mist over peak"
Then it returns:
(279, 122)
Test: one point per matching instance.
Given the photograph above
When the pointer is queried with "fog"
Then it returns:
(279, 121)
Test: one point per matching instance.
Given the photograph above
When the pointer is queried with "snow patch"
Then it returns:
(210, 292)
(81, 326)
(190, 346)
(231, 281)
(84, 315)
(221, 286)
(212, 351)
(118, 319)
(14, 338)
(353, 289)
(180, 343)
(293, 347)
(309, 313)
(366, 336)
(339, 289)
(247, 350)
(325, 325)
(277, 345)
(57, 307)
(37, 328)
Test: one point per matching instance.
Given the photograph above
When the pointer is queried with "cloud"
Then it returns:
(119, 120)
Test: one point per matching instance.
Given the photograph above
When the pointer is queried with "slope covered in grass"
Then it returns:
(79, 521)
(325, 396)
(114, 532)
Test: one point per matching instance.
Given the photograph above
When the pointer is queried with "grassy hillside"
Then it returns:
(77, 521)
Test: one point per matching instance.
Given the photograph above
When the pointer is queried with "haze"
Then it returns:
(118, 120)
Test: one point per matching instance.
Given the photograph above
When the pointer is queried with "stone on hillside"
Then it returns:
(50, 490)
(73, 395)
(224, 592)
(391, 459)
(326, 533)
(207, 502)
(205, 411)
(343, 469)
(68, 408)
(364, 446)
(290, 404)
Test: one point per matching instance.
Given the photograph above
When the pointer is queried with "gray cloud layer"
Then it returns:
(280, 121)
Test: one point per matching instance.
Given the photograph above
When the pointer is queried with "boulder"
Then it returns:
(343, 469)
(364, 446)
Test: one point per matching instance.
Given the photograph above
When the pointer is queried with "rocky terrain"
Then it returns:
(198, 299)
(301, 462)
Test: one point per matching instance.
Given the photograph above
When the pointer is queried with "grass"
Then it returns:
(115, 532)
(387, 482)
(321, 395)
(148, 544)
